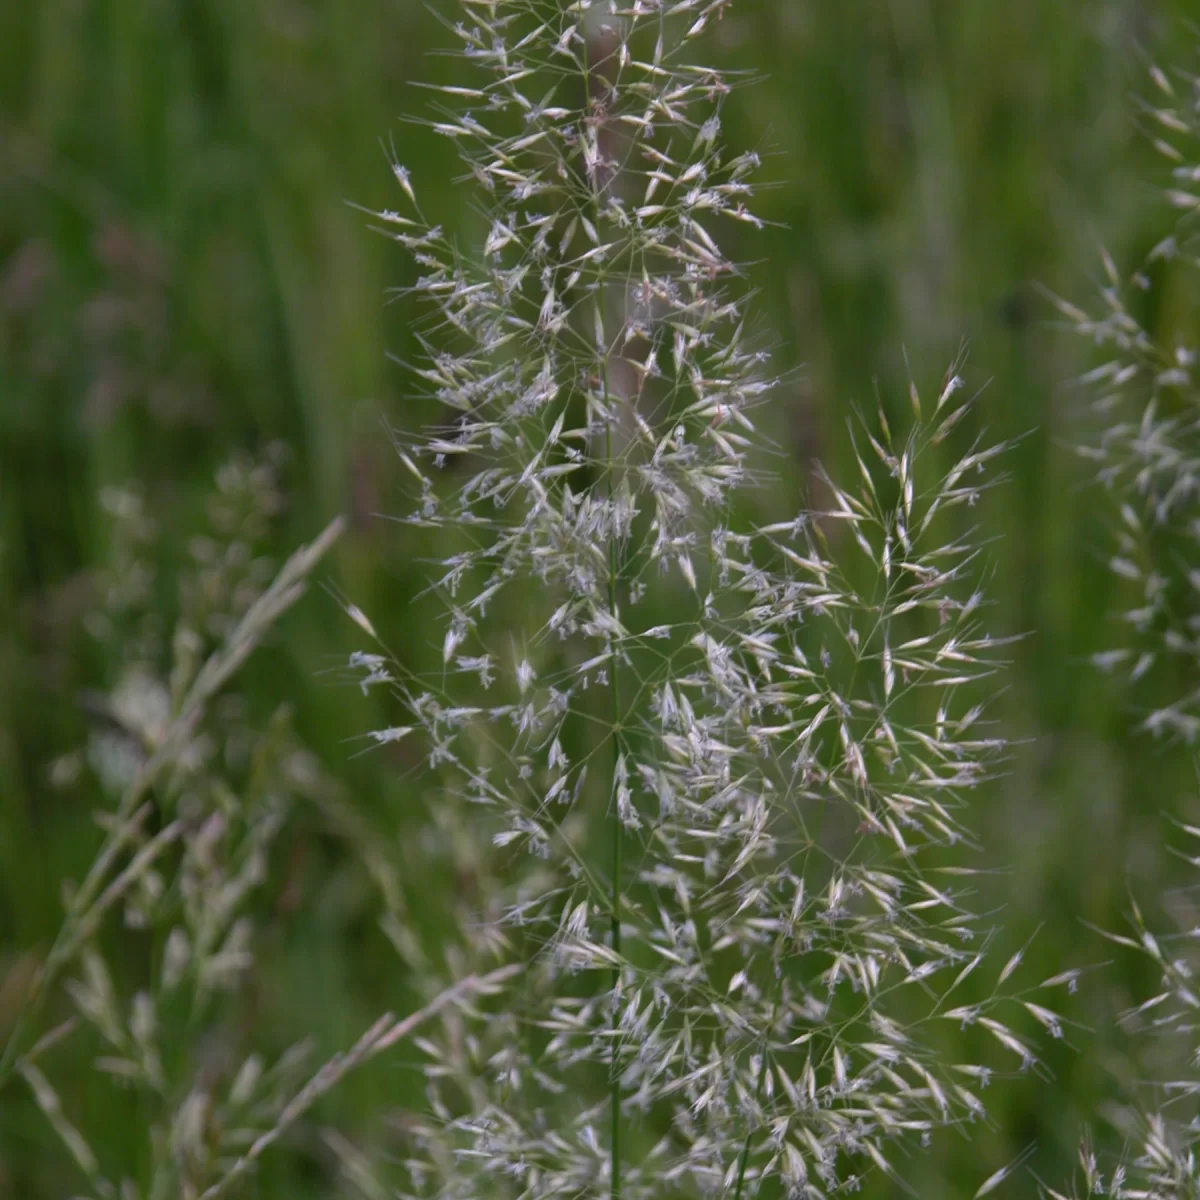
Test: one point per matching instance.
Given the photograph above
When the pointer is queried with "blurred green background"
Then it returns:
(181, 277)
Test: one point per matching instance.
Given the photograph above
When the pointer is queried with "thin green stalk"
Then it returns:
(762, 1070)
(741, 1175)
(614, 818)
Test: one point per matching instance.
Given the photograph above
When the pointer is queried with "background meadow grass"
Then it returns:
(180, 278)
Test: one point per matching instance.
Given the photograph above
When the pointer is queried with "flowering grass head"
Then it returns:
(705, 774)
(1147, 449)
(1147, 458)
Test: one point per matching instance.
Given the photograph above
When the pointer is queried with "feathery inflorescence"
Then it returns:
(197, 800)
(1147, 452)
(1147, 456)
(704, 774)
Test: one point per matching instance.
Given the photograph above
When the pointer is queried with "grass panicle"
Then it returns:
(734, 994)
(1145, 395)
